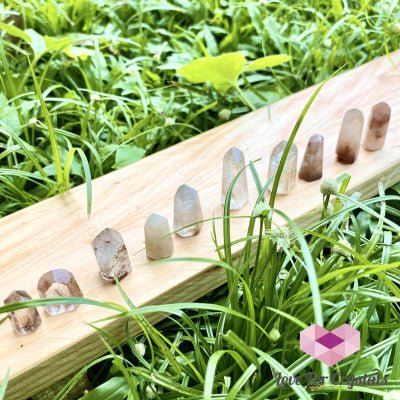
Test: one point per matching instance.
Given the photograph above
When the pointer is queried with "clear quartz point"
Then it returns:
(112, 256)
(348, 144)
(377, 127)
(312, 165)
(288, 177)
(187, 211)
(59, 283)
(233, 163)
(155, 228)
(25, 320)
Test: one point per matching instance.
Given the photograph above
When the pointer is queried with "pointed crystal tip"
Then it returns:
(187, 211)
(312, 165)
(233, 163)
(348, 144)
(111, 254)
(288, 177)
(155, 228)
(59, 283)
(377, 127)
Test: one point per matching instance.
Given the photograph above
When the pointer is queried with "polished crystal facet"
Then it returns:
(233, 163)
(377, 127)
(187, 211)
(311, 167)
(59, 283)
(111, 254)
(348, 144)
(155, 228)
(25, 320)
(288, 177)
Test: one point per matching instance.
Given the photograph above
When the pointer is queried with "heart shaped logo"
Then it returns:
(329, 347)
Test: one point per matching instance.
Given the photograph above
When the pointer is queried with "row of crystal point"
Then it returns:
(109, 247)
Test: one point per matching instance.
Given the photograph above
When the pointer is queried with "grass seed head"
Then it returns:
(261, 209)
(340, 251)
(274, 334)
(150, 395)
(329, 209)
(224, 114)
(329, 186)
(141, 349)
(94, 97)
(169, 121)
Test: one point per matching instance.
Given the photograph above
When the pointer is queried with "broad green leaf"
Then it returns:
(37, 42)
(78, 52)
(366, 365)
(127, 155)
(267, 62)
(9, 114)
(114, 389)
(14, 31)
(337, 8)
(53, 44)
(221, 71)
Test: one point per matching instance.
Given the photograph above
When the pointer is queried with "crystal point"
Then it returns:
(288, 177)
(155, 228)
(59, 283)
(233, 163)
(348, 144)
(111, 254)
(377, 127)
(187, 211)
(311, 167)
(25, 320)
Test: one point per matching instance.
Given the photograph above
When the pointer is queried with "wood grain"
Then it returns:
(56, 233)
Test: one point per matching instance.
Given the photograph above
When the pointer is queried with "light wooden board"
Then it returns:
(56, 233)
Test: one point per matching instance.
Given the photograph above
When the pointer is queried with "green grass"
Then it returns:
(107, 73)
(231, 343)
(121, 99)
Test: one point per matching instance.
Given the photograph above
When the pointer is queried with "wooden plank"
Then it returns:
(56, 233)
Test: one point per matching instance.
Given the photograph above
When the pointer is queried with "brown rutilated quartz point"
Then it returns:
(111, 254)
(233, 163)
(377, 127)
(348, 144)
(25, 320)
(288, 177)
(155, 228)
(312, 165)
(59, 283)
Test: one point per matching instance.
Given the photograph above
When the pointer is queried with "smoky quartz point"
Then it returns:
(288, 177)
(25, 320)
(311, 167)
(59, 283)
(111, 254)
(377, 127)
(233, 163)
(158, 244)
(348, 144)
(187, 211)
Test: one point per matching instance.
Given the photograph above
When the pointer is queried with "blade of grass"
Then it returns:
(52, 135)
(3, 386)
